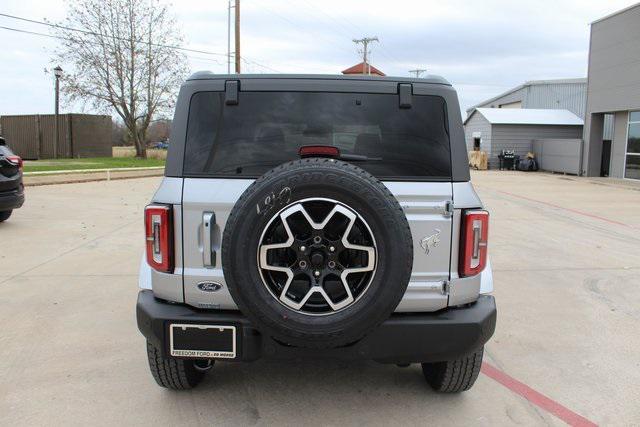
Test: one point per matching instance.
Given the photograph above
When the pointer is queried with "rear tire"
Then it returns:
(176, 374)
(454, 376)
(4, 215)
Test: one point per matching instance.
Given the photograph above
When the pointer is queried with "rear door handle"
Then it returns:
(208, 225)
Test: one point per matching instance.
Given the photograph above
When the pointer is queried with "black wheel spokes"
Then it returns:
(317, 269)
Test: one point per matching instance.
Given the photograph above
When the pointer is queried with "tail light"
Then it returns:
(159, 237)
(473, 248)
(319, 151)
(16, 160)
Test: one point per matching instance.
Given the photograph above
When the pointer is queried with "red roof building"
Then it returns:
(361, 68)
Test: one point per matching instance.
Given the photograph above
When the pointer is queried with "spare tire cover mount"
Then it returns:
(317, 253)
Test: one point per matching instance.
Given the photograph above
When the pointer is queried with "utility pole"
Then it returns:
(365, 51)
(58, 73)
(237, 36)
(229, 38)
(418, 72)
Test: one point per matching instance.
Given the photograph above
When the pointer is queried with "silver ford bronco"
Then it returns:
(310, 216)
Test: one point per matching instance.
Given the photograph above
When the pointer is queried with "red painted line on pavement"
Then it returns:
(566, 209)
(538, 399)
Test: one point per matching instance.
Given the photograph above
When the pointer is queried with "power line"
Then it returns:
(199, 58)
(303, 28)
(32, 33)
(266, 67)
(344, 29)
(35, 33)
(180, 48)
(248, 61)
(349, 27)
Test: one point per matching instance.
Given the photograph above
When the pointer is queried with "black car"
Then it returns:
(11, 187)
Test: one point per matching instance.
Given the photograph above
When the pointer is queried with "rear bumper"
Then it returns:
(403, 338)
(10, 200)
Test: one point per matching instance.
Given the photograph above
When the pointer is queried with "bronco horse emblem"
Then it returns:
(429, 242)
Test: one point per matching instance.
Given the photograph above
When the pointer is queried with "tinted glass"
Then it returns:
(634, 138)
(267, 129)
(634, 116)
(632, 169)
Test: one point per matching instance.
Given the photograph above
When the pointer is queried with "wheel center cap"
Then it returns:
(317, 259)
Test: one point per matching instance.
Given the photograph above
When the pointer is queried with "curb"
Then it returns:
(33, 179)
(85, 171)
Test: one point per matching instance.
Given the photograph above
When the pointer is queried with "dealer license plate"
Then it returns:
(202, 341)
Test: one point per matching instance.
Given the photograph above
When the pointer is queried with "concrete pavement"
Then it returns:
(566, 263)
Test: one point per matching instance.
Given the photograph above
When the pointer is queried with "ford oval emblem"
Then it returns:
(209, 286)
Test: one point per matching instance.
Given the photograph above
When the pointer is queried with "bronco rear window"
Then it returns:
(266, 129)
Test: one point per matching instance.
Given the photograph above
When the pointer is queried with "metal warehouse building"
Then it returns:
(566, 94)
(544, 132)
(614, 88)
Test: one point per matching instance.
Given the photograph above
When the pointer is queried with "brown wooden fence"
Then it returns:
(79, 135)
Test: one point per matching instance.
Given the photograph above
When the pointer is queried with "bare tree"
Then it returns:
(122, 56)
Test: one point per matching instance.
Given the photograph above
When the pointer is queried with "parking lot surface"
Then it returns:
(566, 258)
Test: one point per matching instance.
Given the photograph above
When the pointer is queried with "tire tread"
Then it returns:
(454, 376)
(174, 374)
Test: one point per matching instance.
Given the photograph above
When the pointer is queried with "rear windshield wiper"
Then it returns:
(358, 158)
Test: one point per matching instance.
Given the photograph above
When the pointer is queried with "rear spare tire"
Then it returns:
(317, 253)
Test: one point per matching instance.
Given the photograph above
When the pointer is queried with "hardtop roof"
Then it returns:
(208, 75)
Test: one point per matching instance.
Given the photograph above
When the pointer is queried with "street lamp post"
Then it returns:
(58, 73)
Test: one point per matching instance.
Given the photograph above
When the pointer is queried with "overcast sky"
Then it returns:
(482, 47)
